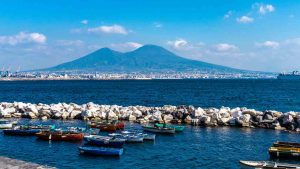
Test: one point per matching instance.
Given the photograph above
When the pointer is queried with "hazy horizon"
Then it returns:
(251, 35)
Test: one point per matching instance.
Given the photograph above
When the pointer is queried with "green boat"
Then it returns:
(177, 128)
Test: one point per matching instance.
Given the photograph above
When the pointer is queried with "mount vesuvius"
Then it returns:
(148, 58)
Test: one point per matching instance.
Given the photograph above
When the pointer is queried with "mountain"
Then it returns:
(149, 58)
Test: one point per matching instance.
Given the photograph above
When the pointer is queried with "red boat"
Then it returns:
(113, 126)
(60, 136)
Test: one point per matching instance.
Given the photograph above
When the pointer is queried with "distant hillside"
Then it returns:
(149, 58)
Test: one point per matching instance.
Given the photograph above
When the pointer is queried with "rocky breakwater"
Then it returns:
(224, 116)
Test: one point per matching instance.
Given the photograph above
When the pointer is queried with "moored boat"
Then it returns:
(107, 126)
(105, 151)
(284, 152)
(60, 135)
(21, 131)
(177, 128)
(130, 138)
(161, 130)
(267, 165)
(146, 136)
(97, 140)
(149, 137)
(5, 124)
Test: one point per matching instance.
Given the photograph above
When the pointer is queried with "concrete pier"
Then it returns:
(9, 163)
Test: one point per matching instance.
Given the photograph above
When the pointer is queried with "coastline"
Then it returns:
(224, 116)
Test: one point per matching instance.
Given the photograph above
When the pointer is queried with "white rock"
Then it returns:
(132, 118)
(199, 112)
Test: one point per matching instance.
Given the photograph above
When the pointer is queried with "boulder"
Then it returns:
(168, 118)
(198, 112)
(131, 118)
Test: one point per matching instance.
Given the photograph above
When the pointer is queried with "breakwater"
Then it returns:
(224, 116)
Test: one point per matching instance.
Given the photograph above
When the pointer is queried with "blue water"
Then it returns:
(196, 147)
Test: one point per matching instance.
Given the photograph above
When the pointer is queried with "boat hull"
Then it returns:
(159, 130)
(101, 151)
(60, 137)
(105, 142)
(30, 132)
(177, 128)
(6, 126)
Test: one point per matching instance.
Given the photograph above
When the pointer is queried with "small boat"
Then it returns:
(130, 138)
(105, 151)
(284, 152)
(5, 124)
(105, 141)
(176, 127)
(108, 126)
(159, 130)
(21, 131)
(147, 136)
(60, 135)
(286, 144)
(268, 165)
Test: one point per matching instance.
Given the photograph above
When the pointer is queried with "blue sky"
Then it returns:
(255, 35)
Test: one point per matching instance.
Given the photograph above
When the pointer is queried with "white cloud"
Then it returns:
(157, 25)
(70, 42)
(245, 19)
(113, 29)
(228, 15)
(127, 46)
(268, 44)
(225, 47)
(178, 43)
(85, 22)
(263, 9)
(22, 38)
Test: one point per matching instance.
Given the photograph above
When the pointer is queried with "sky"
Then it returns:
(244, 34)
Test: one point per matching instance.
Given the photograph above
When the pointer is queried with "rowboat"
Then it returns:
(176, 127)
(107, 126)
(130, 138)
(159, 130)
(21, 132)
(267, 165)
(5, 124)
(146, 136)
(284, 152)
(286, 144)
(101, 151)
(60, 135)
(105, 141)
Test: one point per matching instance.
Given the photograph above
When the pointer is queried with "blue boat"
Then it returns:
(21, 132)
(105, 151)
(105, 141)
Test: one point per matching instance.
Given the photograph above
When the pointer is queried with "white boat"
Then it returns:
(149, 137)
(295, 75)
(4, 124)
(267, 164)
(130, 138)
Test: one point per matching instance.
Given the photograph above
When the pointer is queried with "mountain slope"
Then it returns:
(149, 58)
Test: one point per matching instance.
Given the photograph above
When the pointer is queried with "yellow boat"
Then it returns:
(284, 152)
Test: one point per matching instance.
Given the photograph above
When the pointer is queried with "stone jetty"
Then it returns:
(224, 116)
(9, 163)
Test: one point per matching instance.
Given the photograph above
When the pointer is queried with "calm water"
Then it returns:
(196, 147)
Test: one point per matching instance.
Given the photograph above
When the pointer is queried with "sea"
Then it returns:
(196, 147)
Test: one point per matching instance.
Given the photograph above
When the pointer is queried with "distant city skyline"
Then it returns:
(252, 35)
